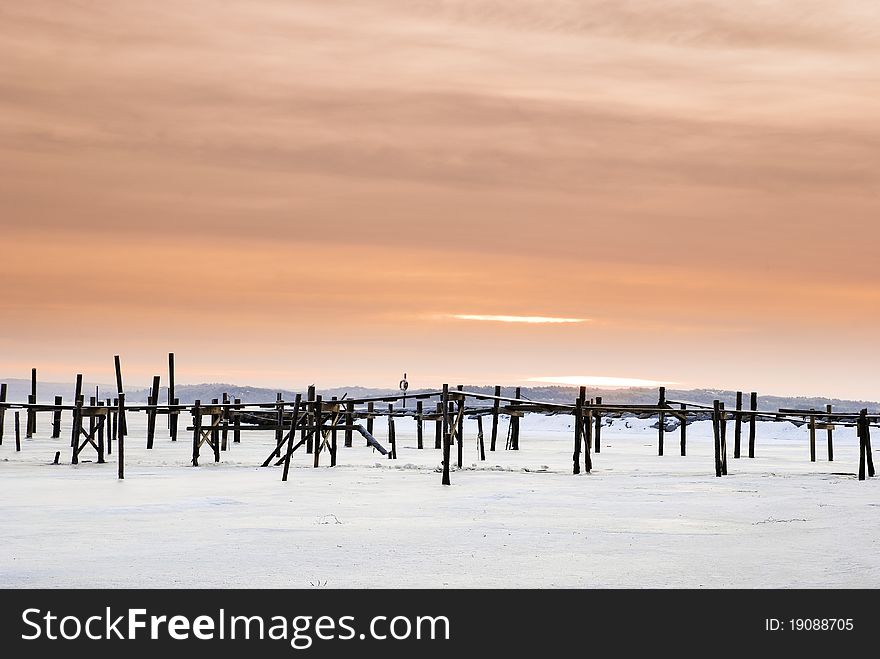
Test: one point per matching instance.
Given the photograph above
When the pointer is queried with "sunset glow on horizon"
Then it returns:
(286, 193)
(534, 320)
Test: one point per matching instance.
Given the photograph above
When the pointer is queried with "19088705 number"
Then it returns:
(820, 624)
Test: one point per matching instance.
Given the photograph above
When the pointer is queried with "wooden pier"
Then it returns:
(312, 424)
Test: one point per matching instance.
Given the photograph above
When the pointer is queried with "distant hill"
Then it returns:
(187, 393)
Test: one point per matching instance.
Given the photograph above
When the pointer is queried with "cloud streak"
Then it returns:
(531, 320)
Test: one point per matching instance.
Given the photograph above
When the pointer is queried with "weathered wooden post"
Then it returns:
(722, 420)
(661, 421)
(236, 424)
(18, 432)
(480, 445)
(56, 418)
(215, 430)
(438, 428)
(76, 430)
(392, 437)
(588, 439)
(812, 436)
(860, 433)
(115, 426)
(153, 403)
(279, 423)
(716, 431)
(310, 410)
(172, 413)
(197, 431)
(420, 442)
(371, 408)
(869, 453)
(123, 426)
(289, 453)
(349, 422)
(120, 438)
(460, 433)
(102, 422)
(753, 419)
(108, 423)
(319, 433)
(32, 412)
(496, 404)
(29, 417)
(445, 404)
(588, 428)
(334, 421)
(598, 433)
(578, 430)
(683, 429)
(830, 430)
(737, 424)
(514, 424)
(2, 410)
(224, 432)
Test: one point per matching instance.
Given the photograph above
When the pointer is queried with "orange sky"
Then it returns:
(293, 192)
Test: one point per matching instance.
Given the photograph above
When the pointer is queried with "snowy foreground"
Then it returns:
(520, 519)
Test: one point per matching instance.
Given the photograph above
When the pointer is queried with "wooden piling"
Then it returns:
(737, 425)
(57, 457)
(172, 414)
(215, 430)
(236, 423)
(370, 409)
(392, 437)
(496, 404)
(76, 426)
(120, 439)
(598, 431)
(2, 410)
(289, 452)
(56, 419)
(812, 425)
(753, 420)
(310, 410)
(115, 426)
(514, 425)
(578, 430)
(32, 413)
(319, 434)
(588, 440)
(683, 430)
(460, 433)
(420, 443)
(224, 423)
(722, 420)
(17, 432)
(334, 421)
(444, 401)
(481, 447)
(197, 430)
(123, 427)
(108, 424)
(716, 431)
(438, 428)
(661, 421)
(29, 417)
(151, 412)
(349, 422)
(869, 453)
(861, 424)
(830, 430)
